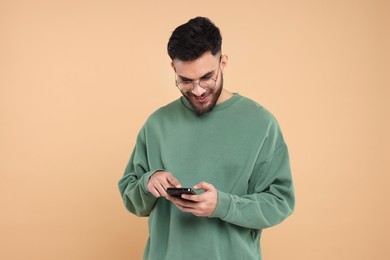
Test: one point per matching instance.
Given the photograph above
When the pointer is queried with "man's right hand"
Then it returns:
(160, 181)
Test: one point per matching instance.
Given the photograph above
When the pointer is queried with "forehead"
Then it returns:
(197, 68)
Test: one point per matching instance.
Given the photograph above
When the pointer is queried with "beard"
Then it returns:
(212, 94)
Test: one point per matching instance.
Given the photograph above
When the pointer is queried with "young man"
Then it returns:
(227, 147)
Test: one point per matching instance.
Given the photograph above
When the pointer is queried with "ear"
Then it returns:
(224, 62)
(173, 66)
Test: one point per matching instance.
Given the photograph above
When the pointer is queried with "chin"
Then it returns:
(213, 95)
(201, 109)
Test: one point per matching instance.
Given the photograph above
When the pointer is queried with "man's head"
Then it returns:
(191, 40)
(195, 50)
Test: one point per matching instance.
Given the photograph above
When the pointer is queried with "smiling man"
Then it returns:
(226, 147)
(204, 93)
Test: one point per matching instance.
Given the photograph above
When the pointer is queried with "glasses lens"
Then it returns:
(207, 83)
(185, 85)
(188, 85)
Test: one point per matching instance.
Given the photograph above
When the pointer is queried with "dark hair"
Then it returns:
(191, 40)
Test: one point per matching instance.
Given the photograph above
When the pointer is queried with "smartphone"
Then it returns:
(177, 192)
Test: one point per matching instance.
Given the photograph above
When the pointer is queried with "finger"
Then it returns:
(161, 190)
(181, 202)
(175, 200)
(184, 208)
(194, 198)
(173, 181)
(172, 198)
(168, 197)
(204, 186)
(155, 192)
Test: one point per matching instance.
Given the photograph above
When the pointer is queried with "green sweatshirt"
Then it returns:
(239, 148)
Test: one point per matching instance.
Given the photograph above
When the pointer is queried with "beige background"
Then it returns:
(79, 78)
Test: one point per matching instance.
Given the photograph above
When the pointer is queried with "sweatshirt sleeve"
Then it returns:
(270, 197)
(133, 185)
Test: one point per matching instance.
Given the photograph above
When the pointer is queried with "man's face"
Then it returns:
(201, 99)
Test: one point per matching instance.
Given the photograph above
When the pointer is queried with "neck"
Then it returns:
(225, 95)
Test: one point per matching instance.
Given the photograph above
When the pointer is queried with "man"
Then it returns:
(227, 147)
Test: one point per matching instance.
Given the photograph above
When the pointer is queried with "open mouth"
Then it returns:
(202, 99)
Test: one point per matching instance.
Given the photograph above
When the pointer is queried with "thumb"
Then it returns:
(204, 186)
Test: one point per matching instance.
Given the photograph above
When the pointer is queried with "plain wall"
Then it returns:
(79, 78)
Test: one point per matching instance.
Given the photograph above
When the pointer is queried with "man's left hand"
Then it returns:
(202, 205)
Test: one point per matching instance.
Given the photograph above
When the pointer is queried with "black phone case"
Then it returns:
(176, 192)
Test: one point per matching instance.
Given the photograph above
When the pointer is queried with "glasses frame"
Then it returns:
(199, 80)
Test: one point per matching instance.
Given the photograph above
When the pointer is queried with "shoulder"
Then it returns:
(167, 109)
(165, 112)
(255, 111)
(263, 121)
(259, 119)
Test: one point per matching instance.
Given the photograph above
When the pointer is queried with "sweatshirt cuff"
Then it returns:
(145, 179)
(223, 204)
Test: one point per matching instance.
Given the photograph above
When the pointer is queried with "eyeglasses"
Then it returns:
(204, 82)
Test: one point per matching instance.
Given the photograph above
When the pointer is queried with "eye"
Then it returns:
(206, 78)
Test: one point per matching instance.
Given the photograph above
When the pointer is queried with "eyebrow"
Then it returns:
(208, 74)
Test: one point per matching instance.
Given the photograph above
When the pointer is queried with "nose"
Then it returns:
(197, 89)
